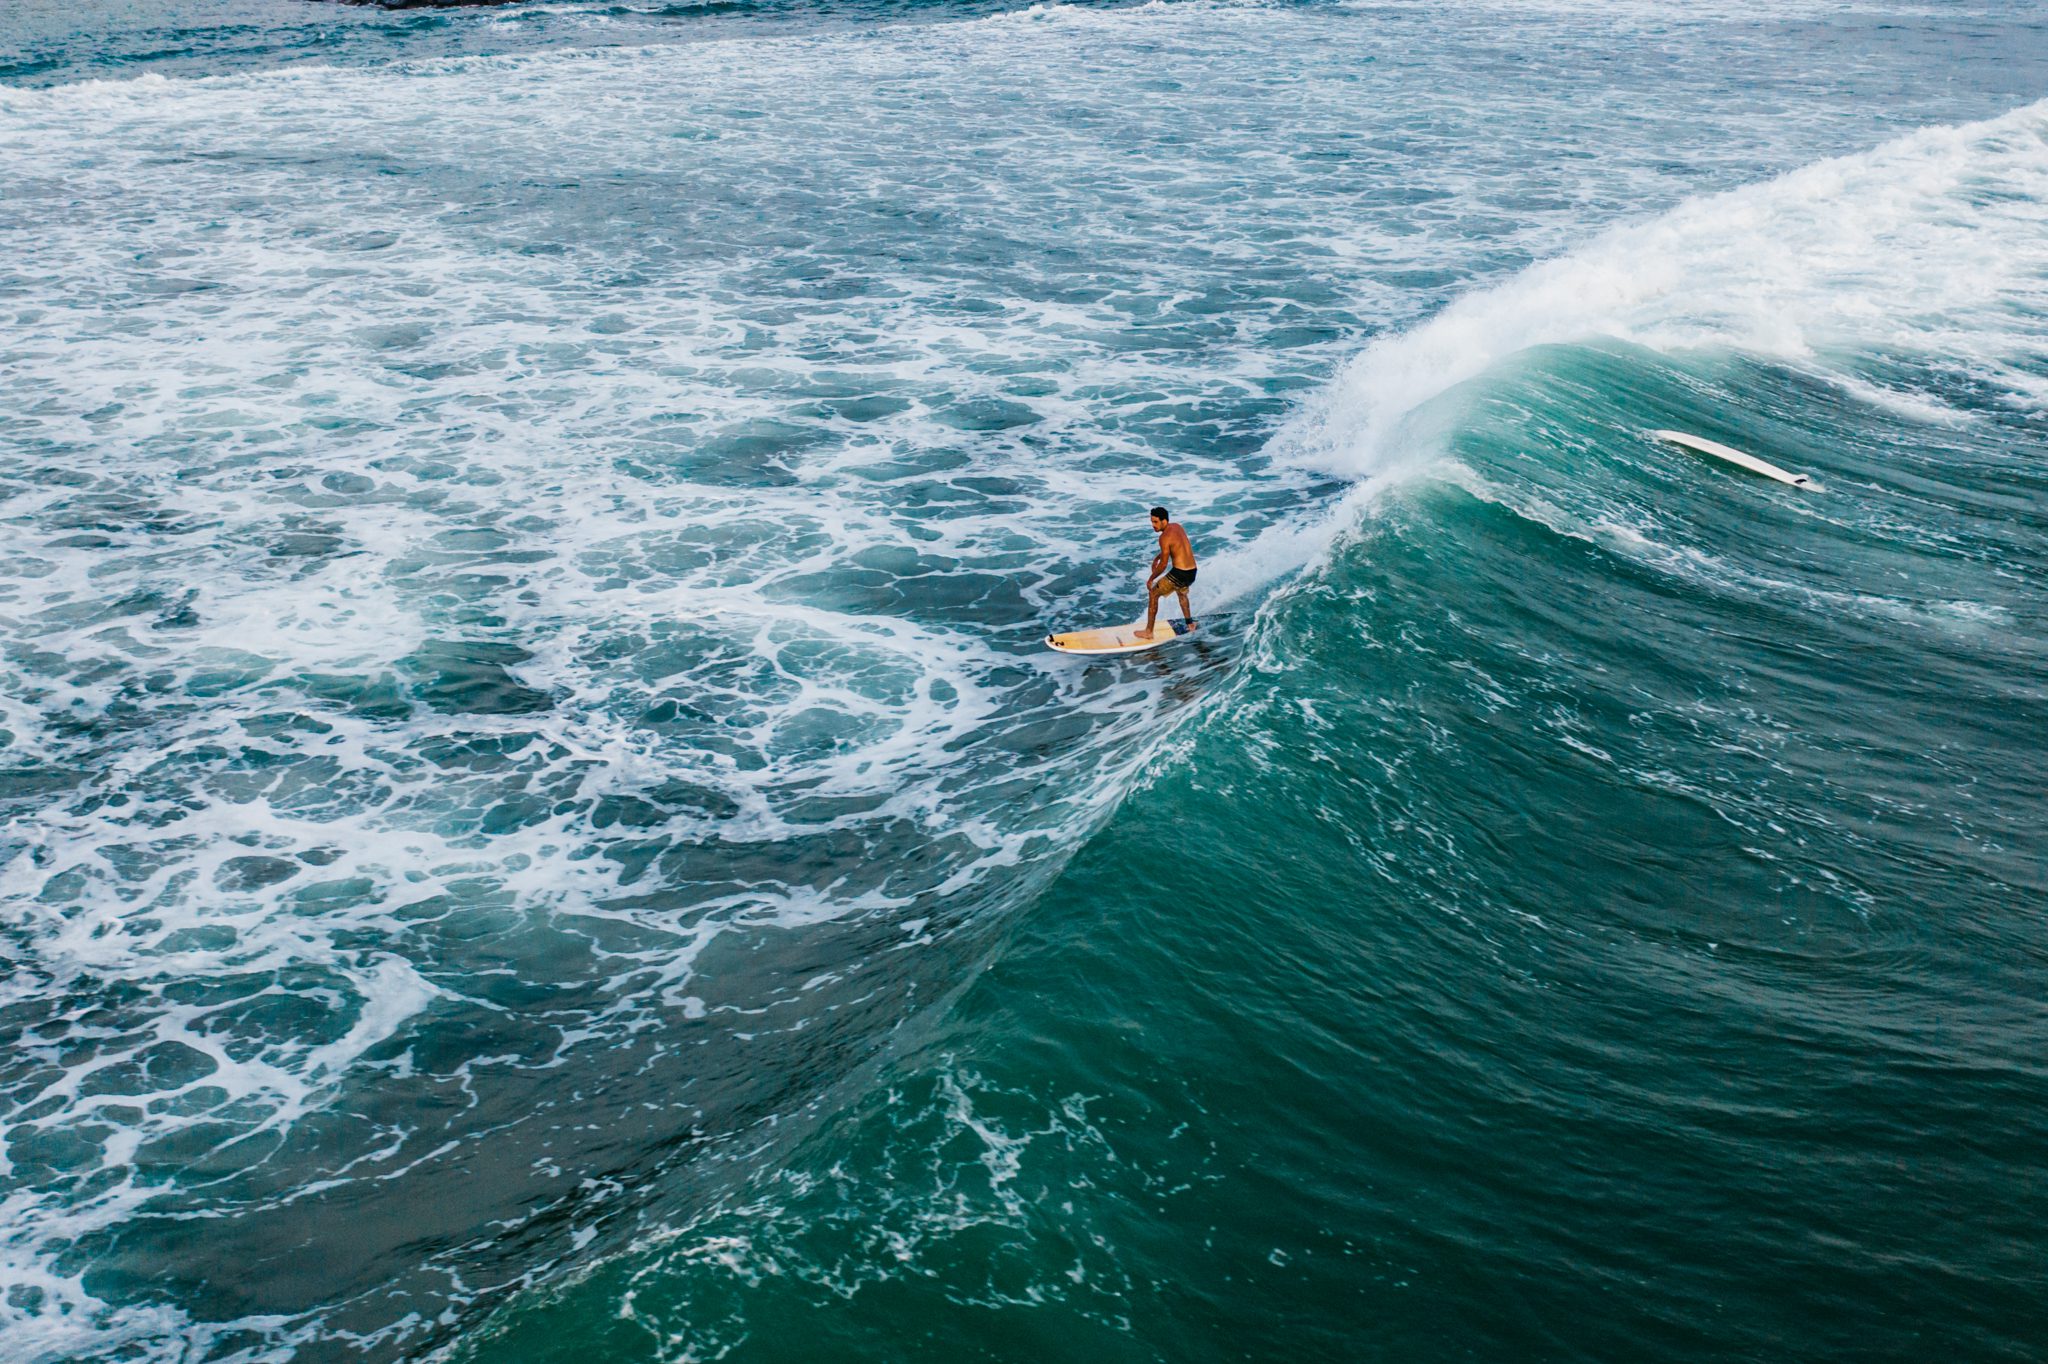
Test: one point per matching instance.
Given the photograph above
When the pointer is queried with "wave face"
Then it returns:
(538, 824)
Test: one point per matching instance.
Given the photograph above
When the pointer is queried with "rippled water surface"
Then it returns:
(538, 822)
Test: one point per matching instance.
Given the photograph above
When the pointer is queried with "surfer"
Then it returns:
(1173, 570)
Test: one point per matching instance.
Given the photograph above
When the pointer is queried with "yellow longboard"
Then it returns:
(1118, 639)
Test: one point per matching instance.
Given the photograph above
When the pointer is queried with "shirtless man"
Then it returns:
(1173, 570)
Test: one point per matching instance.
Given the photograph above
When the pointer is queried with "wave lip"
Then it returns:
(1934, 245)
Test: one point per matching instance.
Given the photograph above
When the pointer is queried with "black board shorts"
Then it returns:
(1180, 579)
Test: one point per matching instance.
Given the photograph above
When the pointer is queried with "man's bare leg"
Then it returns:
(1186, 614)
(1151, 611)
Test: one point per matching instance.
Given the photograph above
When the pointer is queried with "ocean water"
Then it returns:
(536, 823)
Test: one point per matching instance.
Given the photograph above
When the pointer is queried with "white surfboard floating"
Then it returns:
(1119, 639)
(1737, 458)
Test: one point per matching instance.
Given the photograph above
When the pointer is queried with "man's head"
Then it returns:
(1159, 518)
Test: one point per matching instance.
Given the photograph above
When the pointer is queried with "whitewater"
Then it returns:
(536, 820)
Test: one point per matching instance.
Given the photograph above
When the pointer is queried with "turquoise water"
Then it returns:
(538, 824)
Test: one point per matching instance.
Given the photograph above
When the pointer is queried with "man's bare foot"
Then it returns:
(1141, 633)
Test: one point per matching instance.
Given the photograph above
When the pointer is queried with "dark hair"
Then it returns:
(1160, 512)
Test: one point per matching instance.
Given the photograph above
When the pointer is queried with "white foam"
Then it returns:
(1934, 245)
(319, 496)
